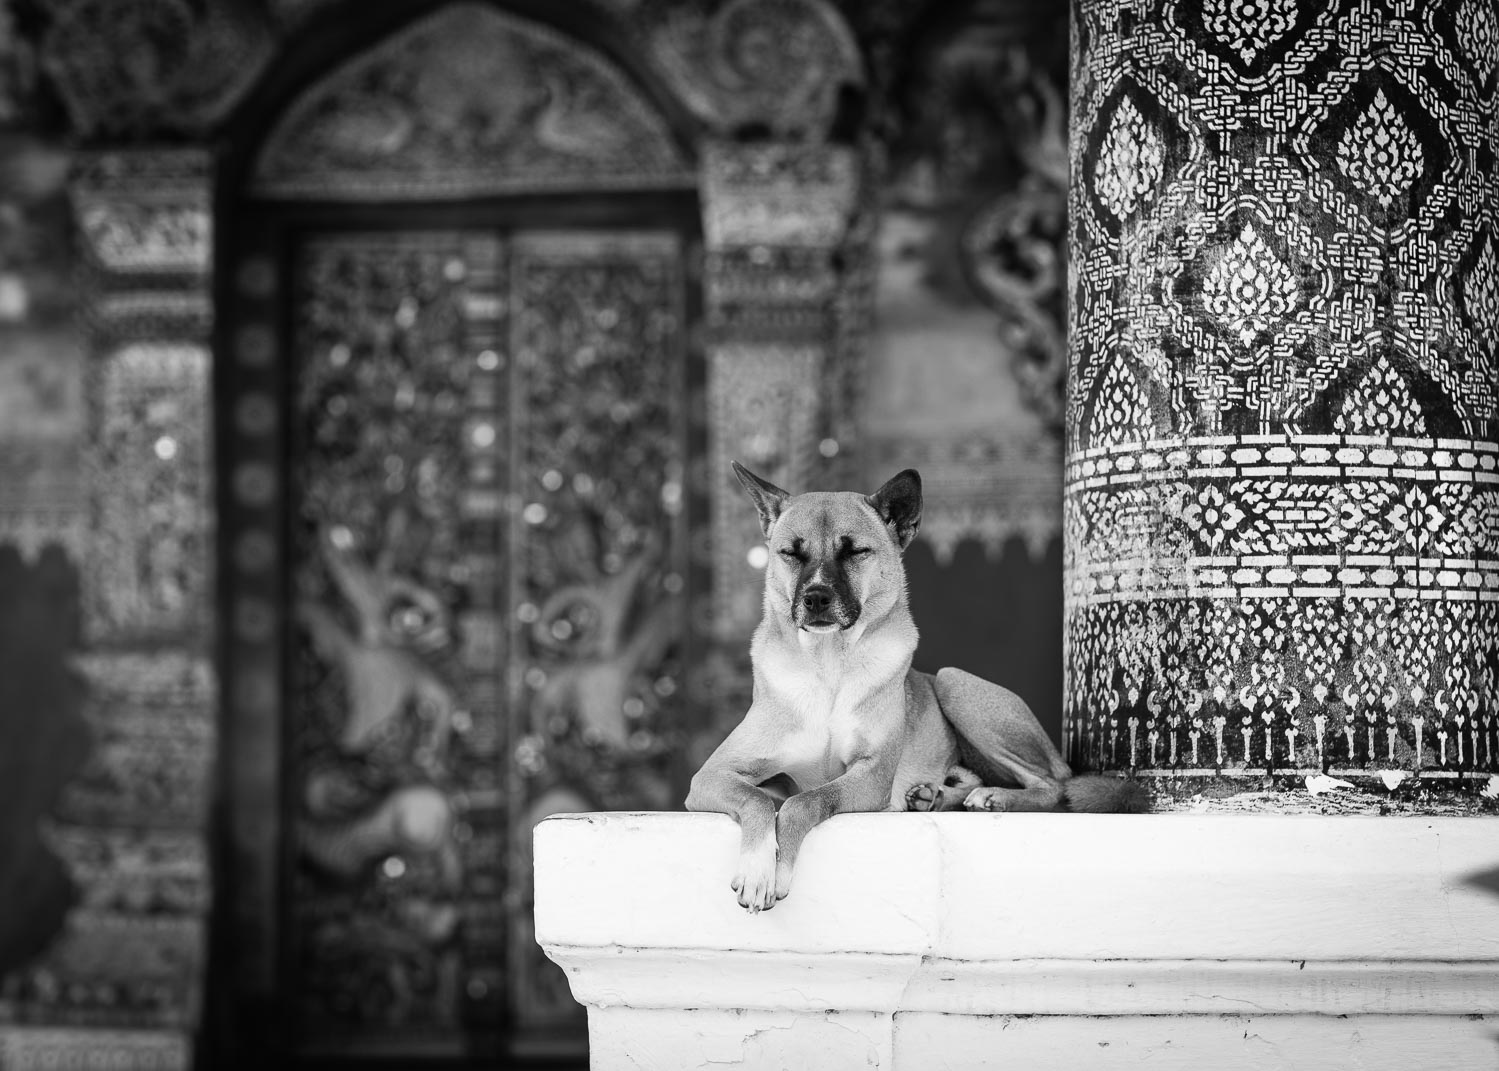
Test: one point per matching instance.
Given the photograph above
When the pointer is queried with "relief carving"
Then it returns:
(137, 67)
(467, 102)
(777, 68)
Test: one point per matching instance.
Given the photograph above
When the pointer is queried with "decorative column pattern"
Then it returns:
(775, 216)
(1282, 517)
(125, 975)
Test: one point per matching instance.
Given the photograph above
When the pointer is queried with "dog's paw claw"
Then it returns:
(922, 797)
(755, 883)
(979, 800)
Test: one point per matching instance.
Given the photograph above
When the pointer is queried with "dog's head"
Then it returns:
(835, 557)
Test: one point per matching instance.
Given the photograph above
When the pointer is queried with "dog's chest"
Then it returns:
(831, 719)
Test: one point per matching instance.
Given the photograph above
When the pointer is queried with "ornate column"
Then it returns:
(122, 984)
(1282, 518)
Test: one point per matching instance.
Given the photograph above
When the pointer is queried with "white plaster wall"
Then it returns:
(1043, 941)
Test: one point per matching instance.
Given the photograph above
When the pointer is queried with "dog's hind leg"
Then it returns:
(946, 796)
(1043, 797)
(1037, 792)
(1001, 739)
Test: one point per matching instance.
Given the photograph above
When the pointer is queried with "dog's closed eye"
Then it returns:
(792, 554)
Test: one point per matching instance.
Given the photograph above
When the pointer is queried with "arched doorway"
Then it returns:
(458, 398)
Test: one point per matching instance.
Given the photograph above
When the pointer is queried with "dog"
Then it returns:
(839, 720)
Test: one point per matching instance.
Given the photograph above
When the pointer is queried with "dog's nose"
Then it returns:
(817, 600)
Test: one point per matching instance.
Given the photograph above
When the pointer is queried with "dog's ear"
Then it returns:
(899, 505)
(769, 499)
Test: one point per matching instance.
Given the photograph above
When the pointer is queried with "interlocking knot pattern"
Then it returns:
(1282, 479)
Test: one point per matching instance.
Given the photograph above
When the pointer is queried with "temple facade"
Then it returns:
(369, 377)
(370, 373)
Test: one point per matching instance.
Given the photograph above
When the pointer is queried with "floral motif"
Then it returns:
(1250, 288)
(1380, 404)
(1130, 163)
(1478, 31)
(1212, 516)
(1416, 518)
(1460, 535)
(1249, 26)
(1480, 294)
(1122, 414)
(1319, 646)
(1380, 153)
(1486, 522)
(1345, 515)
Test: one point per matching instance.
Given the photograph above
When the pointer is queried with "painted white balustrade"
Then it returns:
(1173, 941)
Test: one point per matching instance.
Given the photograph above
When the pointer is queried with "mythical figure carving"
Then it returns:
(381, 672)
(592, 686)
(349, 823)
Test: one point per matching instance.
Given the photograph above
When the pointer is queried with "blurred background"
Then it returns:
(369, 373)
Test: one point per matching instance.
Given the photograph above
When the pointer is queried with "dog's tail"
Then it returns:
(1101, 794)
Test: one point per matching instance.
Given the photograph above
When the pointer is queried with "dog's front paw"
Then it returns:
(755, 881)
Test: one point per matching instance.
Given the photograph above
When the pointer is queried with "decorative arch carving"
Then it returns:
(468, 102)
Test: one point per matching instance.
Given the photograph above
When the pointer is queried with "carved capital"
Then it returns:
(778, 194)
(775, 65)
(145, 211)
(141, 67)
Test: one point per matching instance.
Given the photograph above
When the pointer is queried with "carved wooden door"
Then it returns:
(485, 507)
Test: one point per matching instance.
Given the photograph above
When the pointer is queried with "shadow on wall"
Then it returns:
(999, 618)
(43, 741)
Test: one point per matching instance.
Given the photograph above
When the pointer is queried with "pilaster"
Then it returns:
(123, 981)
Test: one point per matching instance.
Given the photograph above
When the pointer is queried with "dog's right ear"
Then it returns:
(769, 499)
(898, 503)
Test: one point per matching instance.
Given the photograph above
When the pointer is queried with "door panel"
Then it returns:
(487, 574)
(395, 801)
(599, 427)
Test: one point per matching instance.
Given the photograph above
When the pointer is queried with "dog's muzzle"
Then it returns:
(820, 610)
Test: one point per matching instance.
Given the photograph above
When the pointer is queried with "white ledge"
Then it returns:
(911, 940)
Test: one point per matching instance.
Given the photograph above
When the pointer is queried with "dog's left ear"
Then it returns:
(899, 505)
(768, 498)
